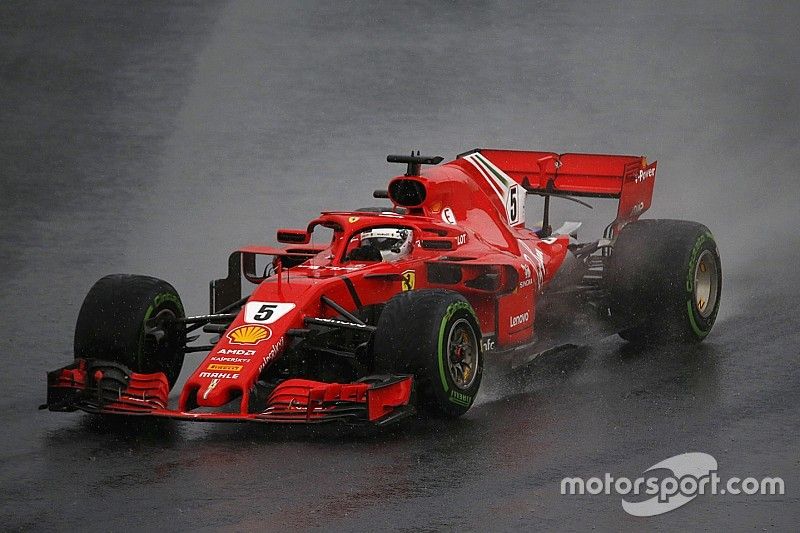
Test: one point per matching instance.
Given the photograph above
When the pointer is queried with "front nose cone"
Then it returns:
(216, 393)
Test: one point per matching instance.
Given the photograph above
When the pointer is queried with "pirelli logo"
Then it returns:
(225, 368)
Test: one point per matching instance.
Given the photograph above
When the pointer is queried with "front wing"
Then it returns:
(110, 388)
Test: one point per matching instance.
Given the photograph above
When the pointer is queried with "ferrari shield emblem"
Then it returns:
(409, 277)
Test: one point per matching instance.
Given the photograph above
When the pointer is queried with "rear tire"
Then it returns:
(111, 325)
(434, 335)
(665, 278)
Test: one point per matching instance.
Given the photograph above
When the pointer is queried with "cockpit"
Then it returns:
(388, 244)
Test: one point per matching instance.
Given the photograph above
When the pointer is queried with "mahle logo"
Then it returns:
(687, 476)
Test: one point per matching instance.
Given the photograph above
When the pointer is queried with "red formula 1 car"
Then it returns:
(400, 310)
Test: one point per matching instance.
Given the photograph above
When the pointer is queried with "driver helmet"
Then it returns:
(393, 243)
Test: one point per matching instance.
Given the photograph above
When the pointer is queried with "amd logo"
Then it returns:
(231, 351)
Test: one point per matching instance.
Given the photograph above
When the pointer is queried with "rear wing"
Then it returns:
(627, 178)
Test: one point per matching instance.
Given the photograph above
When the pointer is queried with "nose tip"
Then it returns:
(215, 394)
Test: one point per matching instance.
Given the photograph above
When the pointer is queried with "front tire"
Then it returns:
(111, 325)
(665, 280)
(434, 335)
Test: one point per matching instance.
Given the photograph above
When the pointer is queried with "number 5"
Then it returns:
(512, 205)
(264, 312)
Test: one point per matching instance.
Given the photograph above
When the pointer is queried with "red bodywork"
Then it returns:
(469, 236)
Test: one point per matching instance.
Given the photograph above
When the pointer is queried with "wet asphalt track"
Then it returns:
(152, 139)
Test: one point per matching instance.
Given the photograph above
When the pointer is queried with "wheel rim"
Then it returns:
(462, 354)
(706, 282)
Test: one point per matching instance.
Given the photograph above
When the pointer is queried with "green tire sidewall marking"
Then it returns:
(698, 244)
(690, 283)
(695, 327)
(168, 297)
(451, 310)
(459, 398)
(157, 301)
(459, 402)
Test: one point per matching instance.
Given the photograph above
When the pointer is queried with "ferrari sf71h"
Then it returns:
(400, 310)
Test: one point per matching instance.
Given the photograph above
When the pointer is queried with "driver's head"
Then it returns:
(393, 243)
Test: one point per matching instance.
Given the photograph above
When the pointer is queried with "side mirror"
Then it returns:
(294, 236)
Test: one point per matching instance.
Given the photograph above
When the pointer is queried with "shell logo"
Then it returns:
(249, 334)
